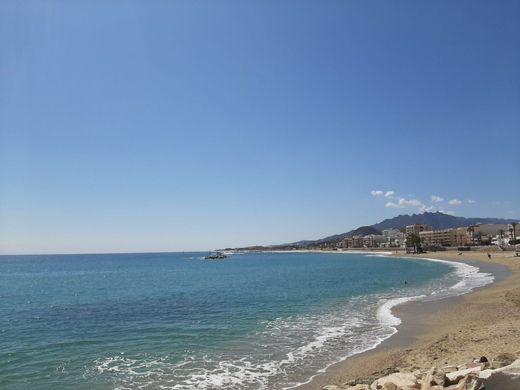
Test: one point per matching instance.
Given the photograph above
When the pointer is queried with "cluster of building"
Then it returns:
(390, 238)
(480, 234)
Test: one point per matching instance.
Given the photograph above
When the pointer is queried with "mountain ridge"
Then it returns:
(437, 220)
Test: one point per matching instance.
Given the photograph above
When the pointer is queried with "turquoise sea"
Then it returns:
(177, 321)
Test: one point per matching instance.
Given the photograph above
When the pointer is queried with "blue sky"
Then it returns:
(157, 125)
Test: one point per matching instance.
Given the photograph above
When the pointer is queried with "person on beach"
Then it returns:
(489, 256)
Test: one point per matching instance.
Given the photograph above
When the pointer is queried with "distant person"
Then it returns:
(489, 256)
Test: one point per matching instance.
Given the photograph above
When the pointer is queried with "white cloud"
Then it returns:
(390, 194)
(410, 202)
(402, 203)
(449, 212)
(437, 199)
(471, 201)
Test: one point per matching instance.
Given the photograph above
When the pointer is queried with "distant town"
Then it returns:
(417, 237)
(422, 236)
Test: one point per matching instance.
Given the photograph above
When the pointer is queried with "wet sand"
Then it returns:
(451, 331)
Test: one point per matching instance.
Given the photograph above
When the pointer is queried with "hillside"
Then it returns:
(436, 220)
(360, 231)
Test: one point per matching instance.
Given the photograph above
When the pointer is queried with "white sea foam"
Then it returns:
(286, 348)
(470, 275)
(384, 313)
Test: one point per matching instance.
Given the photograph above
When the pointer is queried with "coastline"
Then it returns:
(442, 332)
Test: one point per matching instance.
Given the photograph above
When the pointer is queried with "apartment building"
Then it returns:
(445, 237)
(484, 233)
(417, 228)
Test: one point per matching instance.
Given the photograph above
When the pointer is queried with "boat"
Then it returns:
(215, 256)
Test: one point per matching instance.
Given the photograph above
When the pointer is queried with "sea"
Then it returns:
(177, 321)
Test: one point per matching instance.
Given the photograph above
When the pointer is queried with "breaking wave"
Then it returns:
(286, 352)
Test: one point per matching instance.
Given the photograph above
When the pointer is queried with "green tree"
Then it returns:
(512, 229)
(413, 241)
(471, 231)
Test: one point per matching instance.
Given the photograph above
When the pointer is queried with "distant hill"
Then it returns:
(436, 220)
(360, 231)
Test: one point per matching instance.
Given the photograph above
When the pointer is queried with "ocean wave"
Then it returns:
(384, 313)
(470, 278)
(280, 358)
(286, 350)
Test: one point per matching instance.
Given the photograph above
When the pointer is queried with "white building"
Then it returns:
(394, 238)
(373, 240)
(484, 233)
(417, 228)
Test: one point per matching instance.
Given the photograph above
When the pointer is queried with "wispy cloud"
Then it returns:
(435, 203)
(437, 199)
(402, 203)
(410, 202)
(471, 201)
(447, 212)
(389, 194)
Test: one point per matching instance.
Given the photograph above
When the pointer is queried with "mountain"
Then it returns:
(360, 231)
(436, 220)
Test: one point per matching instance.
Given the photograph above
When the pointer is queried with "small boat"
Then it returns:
(216, 256)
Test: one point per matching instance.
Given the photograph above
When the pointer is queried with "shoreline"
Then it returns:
(445, 331)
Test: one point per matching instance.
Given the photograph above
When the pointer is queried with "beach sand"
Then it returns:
(453, 331)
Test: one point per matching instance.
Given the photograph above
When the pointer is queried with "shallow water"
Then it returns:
(177, 321)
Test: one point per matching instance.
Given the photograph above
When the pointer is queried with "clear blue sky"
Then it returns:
(181, 125)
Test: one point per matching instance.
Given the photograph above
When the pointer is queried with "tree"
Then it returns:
(471, 231)
(413, 240)
(512, 229)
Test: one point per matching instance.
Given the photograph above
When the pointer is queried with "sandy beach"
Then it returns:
(485, 322)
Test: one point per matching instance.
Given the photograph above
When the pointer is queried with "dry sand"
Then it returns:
(448, 332)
